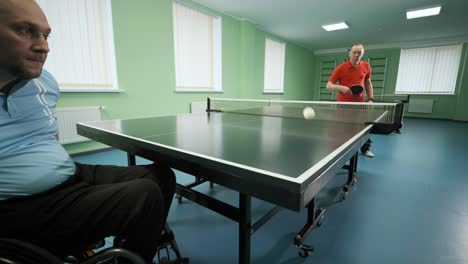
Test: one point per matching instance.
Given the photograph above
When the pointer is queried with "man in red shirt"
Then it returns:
(349, 73)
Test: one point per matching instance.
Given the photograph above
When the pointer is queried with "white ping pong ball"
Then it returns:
(308, 113)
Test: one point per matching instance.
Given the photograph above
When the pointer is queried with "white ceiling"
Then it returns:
(375, 23)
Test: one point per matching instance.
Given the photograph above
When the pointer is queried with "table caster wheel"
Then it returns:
(304, 250)
(343, 196)
(179, 199)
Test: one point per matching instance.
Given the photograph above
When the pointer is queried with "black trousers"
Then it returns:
(366, 146)
(131, 203)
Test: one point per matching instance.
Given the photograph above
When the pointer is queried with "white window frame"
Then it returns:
(82, 52)
(430, 71)
(273, 75)
(186, 81)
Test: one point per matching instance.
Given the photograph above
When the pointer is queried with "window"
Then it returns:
(82, 56)
(197, 49)
(274, 66)
(428, 70)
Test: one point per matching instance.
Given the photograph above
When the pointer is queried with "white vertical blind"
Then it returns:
(81, 44)
(196, 49)
(274, 66)
(428, 70)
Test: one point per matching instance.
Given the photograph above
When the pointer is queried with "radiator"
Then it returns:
(420, 106)
(67, 118)
(198, 107)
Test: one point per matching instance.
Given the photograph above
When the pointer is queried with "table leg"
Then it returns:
(131, 160)
(352, 176)
(245, 204)
(314, 219)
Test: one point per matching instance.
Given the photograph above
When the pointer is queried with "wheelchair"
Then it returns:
(15, 251)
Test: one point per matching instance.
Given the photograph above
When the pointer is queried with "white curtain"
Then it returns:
(274, 66)
(81, 43)
(428, 70)
(196, 48)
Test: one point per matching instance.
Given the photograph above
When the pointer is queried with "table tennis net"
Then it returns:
(384, 114)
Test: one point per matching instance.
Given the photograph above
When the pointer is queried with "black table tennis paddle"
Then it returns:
(356, 89)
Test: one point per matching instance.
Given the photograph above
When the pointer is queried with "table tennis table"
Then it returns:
(260, 148)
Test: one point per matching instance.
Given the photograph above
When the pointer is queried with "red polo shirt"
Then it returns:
(349, 75)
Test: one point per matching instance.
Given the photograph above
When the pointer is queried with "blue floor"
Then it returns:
(410, 205)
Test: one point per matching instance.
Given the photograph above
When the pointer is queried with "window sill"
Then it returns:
(198, 91)
(273, 92)
(67, 90)
(428, 94)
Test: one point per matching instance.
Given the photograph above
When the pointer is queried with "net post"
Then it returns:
(208, 108)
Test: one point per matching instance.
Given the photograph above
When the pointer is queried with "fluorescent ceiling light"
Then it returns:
(433, 11)
(337, 26)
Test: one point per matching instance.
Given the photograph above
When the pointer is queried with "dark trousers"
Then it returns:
(366, 146)
(131, 203)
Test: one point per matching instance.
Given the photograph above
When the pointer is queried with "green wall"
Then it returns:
(146, 71)
(145, 68)
(445, 106)
(461, 109)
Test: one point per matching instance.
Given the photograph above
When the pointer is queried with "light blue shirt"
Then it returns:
(31, 159)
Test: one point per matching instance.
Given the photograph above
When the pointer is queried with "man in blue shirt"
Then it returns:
(45, 197)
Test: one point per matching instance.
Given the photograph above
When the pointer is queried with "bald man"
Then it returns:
(45, 197)
(351, 72)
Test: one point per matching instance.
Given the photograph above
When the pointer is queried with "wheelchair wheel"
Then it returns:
(14, 251)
